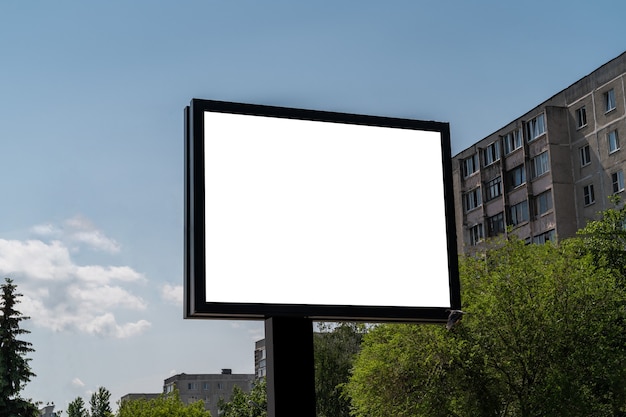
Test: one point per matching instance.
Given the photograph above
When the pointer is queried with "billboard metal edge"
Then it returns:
(195, 304)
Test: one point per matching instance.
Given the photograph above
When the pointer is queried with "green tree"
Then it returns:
(605, 239)
(77, 408)
(15, 370)
(538, 339)
(242, 404)
(335, 346)
(100, 403)
(166, 405)
(402, 370)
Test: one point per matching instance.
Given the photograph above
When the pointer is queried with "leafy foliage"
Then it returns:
(77, 408)
(241, 404)
(605, 239)
(543, 337)
(15, 370)
(166, 405)
(100, 403)
(335, 349)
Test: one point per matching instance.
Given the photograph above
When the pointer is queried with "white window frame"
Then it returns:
(476, 234)
(612, 139)
(491, 153)
(518, 213)
(472, 199)
(500, 220)
(510, 175)
(617, 180)
(470, 165)
(540, 164)
(536, 127)
(581, 117)
(585, 155)
(609, 100)
(588, 195)
(543, 238)
(512, 141)
(543, 203)
(493, 188)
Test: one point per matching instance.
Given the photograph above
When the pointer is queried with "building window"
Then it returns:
(540, 164)
(476, 234)
(543, 202)
(548, 236)
(585, 156)
(581, 117)
(518, 213)
(469, 165)
(192, 386)
(588, 194)
(220, 386)
(491, 153)
(495, 224)
(609, 100)
(517, 176)
(536, 127)
(512, 141)
(472, 199)
(613, 140)
(618, 181)
(206, 386)
(493, 188)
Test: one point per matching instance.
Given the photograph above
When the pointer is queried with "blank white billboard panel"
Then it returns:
(317, 212)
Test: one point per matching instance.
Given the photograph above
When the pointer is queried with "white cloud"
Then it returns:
(45, 230)
(81, 230)
(106, 326)
(103, 275)
(35, 259)
(76, 382)
(60, 294)
(78, 230)
(172, 294)
(105, 297)
(96, 240)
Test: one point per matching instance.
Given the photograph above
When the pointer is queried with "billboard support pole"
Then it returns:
(290, 367)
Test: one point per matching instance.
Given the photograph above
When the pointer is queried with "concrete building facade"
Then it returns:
(47, 411)
(545, 174)
(260, 359)
(208, 387)
(140, 396)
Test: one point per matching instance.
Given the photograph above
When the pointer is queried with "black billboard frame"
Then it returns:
(195, 304)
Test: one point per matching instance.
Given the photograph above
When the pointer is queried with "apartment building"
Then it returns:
(260, 359)
(545, 174)
(47, 411)
(208, 387)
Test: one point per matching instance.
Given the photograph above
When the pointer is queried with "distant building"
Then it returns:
(260, 360)
(208, 387)
(47, 411)
(140, 396)
(548, 172)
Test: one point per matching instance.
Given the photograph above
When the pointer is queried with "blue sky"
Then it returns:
(91, 142)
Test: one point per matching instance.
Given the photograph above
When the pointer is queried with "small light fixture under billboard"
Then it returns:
(292, 212)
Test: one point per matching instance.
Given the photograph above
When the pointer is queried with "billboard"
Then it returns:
(331, 216)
